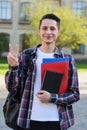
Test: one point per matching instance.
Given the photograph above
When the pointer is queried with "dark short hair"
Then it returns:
(52, 17)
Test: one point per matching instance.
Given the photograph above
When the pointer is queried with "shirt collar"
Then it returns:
(57, 51)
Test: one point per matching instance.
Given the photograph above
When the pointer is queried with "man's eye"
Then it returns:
(44, 28)
(52, 28)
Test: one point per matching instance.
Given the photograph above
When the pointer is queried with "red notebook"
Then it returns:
(58, 67)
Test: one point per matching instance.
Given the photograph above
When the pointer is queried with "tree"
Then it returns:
(73, 28)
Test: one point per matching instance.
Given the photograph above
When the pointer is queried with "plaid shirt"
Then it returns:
(24, 76)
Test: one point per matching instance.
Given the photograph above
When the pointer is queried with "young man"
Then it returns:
(40, 109)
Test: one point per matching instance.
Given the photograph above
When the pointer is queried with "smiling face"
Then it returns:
(49, 31)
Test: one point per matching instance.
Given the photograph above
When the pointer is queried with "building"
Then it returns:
(13, 23)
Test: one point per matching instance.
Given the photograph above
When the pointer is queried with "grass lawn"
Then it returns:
(81, 66)
(3, 66)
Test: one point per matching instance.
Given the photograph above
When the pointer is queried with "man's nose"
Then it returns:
(48, 31)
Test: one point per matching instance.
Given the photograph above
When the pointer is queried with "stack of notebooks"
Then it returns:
(54, 75)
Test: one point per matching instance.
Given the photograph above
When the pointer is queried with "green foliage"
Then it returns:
(73, 29)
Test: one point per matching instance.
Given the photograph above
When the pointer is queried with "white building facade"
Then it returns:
(13, 23)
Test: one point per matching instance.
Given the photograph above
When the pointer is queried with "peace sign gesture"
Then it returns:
(12, 56)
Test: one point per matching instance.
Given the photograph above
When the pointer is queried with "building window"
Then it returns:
(80, 49)
(4, 41)
(23, 7)
(5, 10)
(80, 8)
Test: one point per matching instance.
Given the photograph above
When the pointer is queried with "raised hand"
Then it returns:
(12, 56)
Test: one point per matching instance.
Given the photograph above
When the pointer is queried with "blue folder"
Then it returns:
(45, 60)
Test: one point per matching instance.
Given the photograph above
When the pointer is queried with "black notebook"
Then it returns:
(51, 81)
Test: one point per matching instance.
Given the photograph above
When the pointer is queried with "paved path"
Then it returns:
(80, 108)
